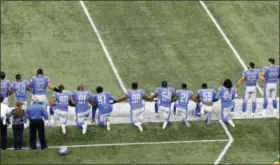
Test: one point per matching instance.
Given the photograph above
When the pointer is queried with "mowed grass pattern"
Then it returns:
(154, 41)
(253, 28)
(57, 37)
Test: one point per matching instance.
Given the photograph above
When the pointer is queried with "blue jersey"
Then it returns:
(183, 97)
(62, 100)
(81, 99)
(135, 98)
(227, 96)
(39, 85)
(20, 89)
(251, 77)
(206, 95)
(5, 86)
(165, 96)
(104, 102)
(271, 73)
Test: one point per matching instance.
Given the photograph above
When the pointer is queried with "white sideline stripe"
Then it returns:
(103, 46)
(132, 144)
(222, 154)
(227, 40)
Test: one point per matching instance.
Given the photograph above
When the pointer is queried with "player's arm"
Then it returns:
(54, 88)
(122, 98)
(154, 95)
(11, 91)
(195, 98)
(240, 81)
(148, 98)
(92, 103)
(53, 101)
(72, 100)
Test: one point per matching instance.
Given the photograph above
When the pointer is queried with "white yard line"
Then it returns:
(103, 46)
(133, 144)
(222, 154)
(227, 40)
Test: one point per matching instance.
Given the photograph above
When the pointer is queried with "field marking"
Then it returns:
(103, 46)
(133, 144)
(222, 154)
(226, 39)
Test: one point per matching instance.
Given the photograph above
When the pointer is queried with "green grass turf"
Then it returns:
(152, 41)
(255, 142)
(252, 26)
(57, 37)
(145, 154)
(124, 133)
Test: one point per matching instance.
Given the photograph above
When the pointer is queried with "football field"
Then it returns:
(115, 43)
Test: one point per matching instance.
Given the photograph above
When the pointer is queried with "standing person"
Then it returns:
(20, 87)
(18, 125)
(5, 88)
(59, 103)
(81, 99)
(206, 96)
(250, 77)
(136, 99)
(227, 94)
(39, 85)
(181, 107)
(270, 76)
(164, 96)
(35, 113)
(4, 110)
(103, 101)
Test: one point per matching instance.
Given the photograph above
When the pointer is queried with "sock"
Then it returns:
(197, 110)
(274, 103)
(232, 109)
(174, 109)
(265, 103)
(244, 107)
(51, 110)
(93, 113)
(225, 119)
(156, 107)
(254, 107)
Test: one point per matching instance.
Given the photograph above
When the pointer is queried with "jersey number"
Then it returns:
(207, 96)
(166, 96)
(20, 90)
(273, 75)
(40, 86)
(101, 99)
(82, 99)
(184, 97)
(63, 99)
(136, 98)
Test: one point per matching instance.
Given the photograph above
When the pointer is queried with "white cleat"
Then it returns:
(84, 128)
(276, 113)
(188, 124)
(231, 123)
(164, 125)
(63, 128)
(52, 121)
(244, 114)
(108, 126)
(157, 116)
(253, 115)
(139, 127)
(263, 113)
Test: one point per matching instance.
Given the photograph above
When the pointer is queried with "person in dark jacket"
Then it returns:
(19, 117)
(3, 123)
(35, 113)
